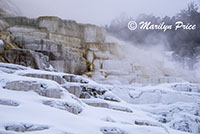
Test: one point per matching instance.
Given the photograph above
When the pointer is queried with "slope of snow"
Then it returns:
(25, 109)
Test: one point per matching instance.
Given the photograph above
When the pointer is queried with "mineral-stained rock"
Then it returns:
(27, 58)
(62, 41)
(41, 89)
(67, 106)
(24, 127)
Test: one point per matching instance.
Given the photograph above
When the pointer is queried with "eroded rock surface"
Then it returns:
(61, 41)
(27, 57)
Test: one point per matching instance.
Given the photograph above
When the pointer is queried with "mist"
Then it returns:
(98, 12)
(153, 62)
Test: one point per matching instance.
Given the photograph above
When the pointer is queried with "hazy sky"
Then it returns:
(99, 12)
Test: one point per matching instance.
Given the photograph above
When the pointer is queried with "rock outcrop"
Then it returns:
(27, 58)
(59, 43)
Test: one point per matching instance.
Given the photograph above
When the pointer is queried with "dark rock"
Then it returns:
(27, 58)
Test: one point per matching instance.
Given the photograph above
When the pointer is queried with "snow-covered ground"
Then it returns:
(42, 102)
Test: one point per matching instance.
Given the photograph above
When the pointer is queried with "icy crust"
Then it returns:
(38, 102)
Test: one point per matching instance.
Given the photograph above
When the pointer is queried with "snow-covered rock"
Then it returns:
(179, 116)
(67, 106)
(112, 130)
(105, 104)
(73, 89)
(161, 95)
(186, 87)
(186, 123)
(41, 89)
(37, 101)
(56, 78)
(8, 102)
(25, 127)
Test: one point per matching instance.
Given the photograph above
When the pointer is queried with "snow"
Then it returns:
(129, 109)
(1, 43)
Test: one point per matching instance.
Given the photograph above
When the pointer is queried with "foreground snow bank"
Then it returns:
(34, 101)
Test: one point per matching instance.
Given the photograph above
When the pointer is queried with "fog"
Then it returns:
(99, 12)
(154, 62)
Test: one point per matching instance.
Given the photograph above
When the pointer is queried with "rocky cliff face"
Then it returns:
(49, 41)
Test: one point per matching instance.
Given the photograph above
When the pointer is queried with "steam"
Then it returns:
(155, 61)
